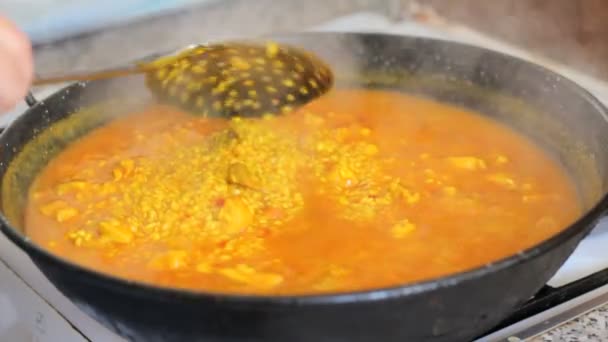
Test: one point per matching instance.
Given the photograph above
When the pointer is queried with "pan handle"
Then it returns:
(30, 99)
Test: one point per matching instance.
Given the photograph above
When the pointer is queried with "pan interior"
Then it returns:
(543, 106)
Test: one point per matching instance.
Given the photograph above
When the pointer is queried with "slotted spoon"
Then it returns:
(227, 79)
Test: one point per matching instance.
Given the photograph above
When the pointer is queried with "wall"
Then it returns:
(574, 32)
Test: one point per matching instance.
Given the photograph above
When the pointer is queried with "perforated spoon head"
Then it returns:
(240, 79)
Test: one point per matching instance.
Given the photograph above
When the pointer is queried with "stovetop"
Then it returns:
(31, 309)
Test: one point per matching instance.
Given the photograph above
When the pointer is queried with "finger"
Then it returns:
(16, 64)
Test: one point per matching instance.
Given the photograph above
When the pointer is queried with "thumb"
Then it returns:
(16, 64)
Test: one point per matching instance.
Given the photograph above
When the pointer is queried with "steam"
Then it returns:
(227, 19)
(215, 20)
(211, 21)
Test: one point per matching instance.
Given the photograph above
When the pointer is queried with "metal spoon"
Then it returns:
(227, 79)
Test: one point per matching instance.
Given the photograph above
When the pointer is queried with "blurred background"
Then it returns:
(49, 20)
(574, 32)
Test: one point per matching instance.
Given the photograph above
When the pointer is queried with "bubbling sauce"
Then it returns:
(359, 189)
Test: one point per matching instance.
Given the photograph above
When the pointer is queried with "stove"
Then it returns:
(31, 309)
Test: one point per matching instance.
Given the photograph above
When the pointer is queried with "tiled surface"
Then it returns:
(20, 323)
(21, 305)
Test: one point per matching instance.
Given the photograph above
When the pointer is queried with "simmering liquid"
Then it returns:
(360, 189)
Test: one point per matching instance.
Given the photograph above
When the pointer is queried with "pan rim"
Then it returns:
(583, 224)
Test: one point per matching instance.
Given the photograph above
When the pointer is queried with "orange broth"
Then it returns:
(360, 189)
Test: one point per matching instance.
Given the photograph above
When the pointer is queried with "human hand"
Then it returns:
(16, 64)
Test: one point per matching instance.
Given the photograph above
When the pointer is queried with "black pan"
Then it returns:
(560, 116)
